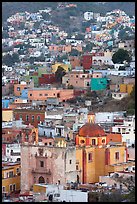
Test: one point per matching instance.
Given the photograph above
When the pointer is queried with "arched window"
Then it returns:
(41, 179)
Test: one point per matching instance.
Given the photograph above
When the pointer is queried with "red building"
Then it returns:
(47, 79)
(30, 116)
(86, 61)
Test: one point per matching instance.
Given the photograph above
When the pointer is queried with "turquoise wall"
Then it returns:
(97, 84)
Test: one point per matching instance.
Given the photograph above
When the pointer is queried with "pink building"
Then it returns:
(47, 164)
(77, 80)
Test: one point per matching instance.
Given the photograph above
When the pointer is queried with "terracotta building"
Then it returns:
(24, 133)
(42, 94)
(98, 154)
(29, 116)
(86, 61)
(21, 86)
(47, 79)
(74, 61)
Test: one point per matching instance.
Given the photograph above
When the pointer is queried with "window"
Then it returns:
(93, 142)
(30, 94)
(38, 118)
(88, 84)
(70, 161)
(26, 138)
(76, 167)
(27, 118)
(103, 141)
(76, 76)
(46, 94)
(20, 116)
(10, 187)
(3, 188)
(90, 157)
(17, 170)
(41, 163)
(10, 174)
(44, 133)
(32, 118)
(18, 88)
(40, 94)
(82, 141)
(46, 143)
(50, 143)
(14, 187)
(116, 155)
(50, 134)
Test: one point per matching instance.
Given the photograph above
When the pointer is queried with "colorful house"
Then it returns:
(98, 153)
(10, 178)
(66, 67)
(7, 114)
(98, 84)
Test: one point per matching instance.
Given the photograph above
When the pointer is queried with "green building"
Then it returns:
(97, 84)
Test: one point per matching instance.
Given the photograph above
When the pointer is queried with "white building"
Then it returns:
(118, 95)
(127, 130)
(52, 126)
(107, 117)
(12, 152)
(59, 194)
(88, 16)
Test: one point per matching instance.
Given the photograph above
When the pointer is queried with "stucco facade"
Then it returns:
(43, 164)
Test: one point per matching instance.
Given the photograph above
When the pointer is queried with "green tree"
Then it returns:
(59, 74)
(120, 56)
(88, 47)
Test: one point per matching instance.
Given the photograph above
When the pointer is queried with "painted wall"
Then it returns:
(97, 84)
(7, 115)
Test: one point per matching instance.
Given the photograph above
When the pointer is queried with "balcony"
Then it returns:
(41, 171)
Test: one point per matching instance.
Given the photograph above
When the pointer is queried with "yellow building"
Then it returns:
(39, 188)
(7, 114)
(97, 155)
(64, 66)
(10, 178)
(126, 88)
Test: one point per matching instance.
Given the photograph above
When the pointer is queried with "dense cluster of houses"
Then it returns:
(47, 141)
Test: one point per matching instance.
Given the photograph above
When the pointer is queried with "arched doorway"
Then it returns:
(41, 179)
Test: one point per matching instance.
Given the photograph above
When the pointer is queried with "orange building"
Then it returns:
(75, 61)
(126, 88)
(42, 94)
(98, 153)
(21, 86)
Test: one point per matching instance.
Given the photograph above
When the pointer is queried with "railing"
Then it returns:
(41, 171)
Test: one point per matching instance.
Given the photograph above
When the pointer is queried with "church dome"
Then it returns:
(91, 130)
